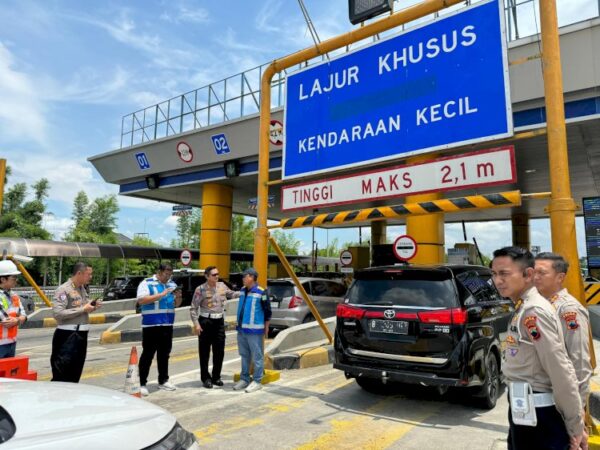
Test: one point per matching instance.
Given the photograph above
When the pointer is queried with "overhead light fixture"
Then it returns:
(232, 169)
(153, 181)
(361, 10)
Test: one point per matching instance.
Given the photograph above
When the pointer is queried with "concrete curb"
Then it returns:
(594, 405)
(50, 322)
(301, 359)
(179, 330)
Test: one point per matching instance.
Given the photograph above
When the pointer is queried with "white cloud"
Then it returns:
(184, 13)
(268, 18)
(170, 221)
(21, 110)
(57, 226)
(90, 86)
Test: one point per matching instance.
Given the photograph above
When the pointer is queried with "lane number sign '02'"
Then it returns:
(437, 86)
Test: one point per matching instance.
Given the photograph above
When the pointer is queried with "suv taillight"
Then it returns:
(295, 301)
(456, 316)
(349, 312)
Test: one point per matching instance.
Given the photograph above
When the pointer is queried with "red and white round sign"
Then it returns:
(276, 132)
(405, 247)
(185, 257)
(346, 257)
(185, 152)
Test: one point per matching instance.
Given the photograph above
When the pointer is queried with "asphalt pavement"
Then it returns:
(314, 408)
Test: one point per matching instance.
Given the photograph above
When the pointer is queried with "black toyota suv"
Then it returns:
(430, 325)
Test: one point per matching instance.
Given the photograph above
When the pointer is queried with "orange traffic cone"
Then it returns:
(132, 379)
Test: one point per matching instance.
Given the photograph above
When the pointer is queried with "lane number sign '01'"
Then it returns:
(437, 86)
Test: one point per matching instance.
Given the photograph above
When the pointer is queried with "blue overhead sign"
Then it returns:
(438, 86)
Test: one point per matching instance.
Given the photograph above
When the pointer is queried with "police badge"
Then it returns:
(571, 319)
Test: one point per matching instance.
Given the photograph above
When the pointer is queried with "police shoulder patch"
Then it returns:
(570, 319)
(532, 328)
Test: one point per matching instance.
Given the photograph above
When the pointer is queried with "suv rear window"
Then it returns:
(404, 288)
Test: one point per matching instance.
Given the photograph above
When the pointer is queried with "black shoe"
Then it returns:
(218, 382)
(207, 384)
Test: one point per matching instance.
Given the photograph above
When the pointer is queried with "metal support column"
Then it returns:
(521, 235)
(562, 207)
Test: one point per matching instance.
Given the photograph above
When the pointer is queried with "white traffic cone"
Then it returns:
(132, 379)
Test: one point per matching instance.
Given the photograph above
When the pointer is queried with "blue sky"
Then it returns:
(69, 70)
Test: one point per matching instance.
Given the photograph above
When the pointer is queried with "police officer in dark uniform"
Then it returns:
(71, 308)
(545, 407)
(207, 314)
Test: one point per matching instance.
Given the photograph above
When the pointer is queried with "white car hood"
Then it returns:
(76, 416)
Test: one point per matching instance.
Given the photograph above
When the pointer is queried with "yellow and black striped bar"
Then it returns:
(447, 205)
(592, 293)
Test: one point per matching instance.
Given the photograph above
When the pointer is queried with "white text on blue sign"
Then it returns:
(438, 86)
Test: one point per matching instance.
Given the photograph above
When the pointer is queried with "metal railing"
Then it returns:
(239, 95)
(94, 292)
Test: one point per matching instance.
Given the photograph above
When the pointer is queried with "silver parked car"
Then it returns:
(288, 306)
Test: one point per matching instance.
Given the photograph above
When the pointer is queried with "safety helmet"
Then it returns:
(8, 268)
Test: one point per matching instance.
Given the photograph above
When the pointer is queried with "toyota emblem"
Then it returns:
(389, 314)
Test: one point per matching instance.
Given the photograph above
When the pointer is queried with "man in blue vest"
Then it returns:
(158, 302)
(253, 315)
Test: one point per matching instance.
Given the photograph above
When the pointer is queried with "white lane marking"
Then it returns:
(190, 372)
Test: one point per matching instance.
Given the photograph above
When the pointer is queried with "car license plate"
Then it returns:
(274, 305)
(388, 326)
(110, 294)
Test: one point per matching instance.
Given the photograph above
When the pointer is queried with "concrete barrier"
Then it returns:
(129, 328)
(594, 311)
(110, 312)
(301, 347)
(127, 304)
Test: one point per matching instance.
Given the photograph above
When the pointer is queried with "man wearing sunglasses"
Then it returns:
(207, 313)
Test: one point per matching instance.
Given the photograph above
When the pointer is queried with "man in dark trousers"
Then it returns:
(207, 314)
(157, 300)
(545, 410)
(71, 307)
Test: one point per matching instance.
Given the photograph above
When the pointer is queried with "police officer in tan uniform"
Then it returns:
(535, 360)
(207, 314)
(550, 272)
(71, 307)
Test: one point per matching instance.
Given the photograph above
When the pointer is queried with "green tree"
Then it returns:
(94, 222)
(242, 233)
(140, 266)
(188, 230)
(24, 219)
(80, 205)
(287, 242)
(102, 214)
(333, 249)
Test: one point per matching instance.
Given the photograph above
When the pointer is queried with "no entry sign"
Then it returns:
(346, 257)
(405, 247)
(185, 257)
